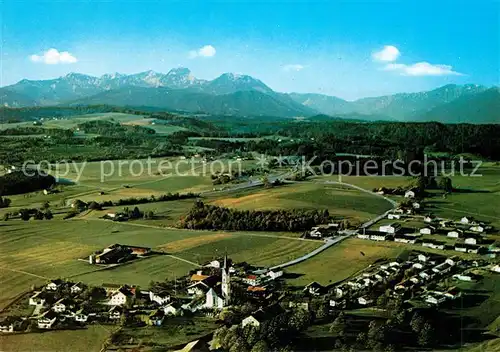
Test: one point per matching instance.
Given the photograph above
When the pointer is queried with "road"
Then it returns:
(347, 233)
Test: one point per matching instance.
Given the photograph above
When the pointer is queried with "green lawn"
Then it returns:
(340, 201)
(85, 340)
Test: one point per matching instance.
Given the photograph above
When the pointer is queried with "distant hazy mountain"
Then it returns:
(483, 107)
(243, 103)
(231, 83)
(246, 96)
(405, 106)
(326, 104)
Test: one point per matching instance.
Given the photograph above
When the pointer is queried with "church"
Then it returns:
(219, 296)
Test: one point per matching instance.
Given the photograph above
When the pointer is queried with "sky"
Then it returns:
(349, 49)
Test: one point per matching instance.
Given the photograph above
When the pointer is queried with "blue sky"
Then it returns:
(345, 48)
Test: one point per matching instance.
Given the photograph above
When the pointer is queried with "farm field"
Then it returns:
(369, 182)
(342, 261)
(89, 339)
(340, 201)
(30, 255)
(475, 196)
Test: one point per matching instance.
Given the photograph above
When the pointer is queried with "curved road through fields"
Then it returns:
(346, 233)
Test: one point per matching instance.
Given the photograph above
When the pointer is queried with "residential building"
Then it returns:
(410, 194)
(37, 299)
(314, 288)
(477, 228)
(364, 301)
(121, 297)
(160, 299)
(391, 228)
(46, 320)
(76, 288)
(429, 230)
(435, 299)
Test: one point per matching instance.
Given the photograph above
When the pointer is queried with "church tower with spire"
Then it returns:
(226, 282)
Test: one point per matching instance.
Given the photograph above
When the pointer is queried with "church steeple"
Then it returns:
(226, 282)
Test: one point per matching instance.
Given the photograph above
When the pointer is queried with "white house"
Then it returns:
(416, 205)
(273, 275)
(115, 313)
(59, 306)
(380, 237)
(338, 292)
(364, 301)
(314, 288)
(392, 216)
(76, 288)
(6, 327)
(213, 264)
(428, 218)
(466, 220)
(159, 299)
(435, 299)
(391, 228)
(454, 233)
(470, 240)
(250, 320)
(409, 194)
(418, 266)
(462, 277)
(213, 300)
(120, 298)
(422, 258)
(461, 248)
(496, 269)
(251, 280)
(81, 316)
(172, 309)
(36, 299)
(46, 320)
(477, 228)
(53, 285)
(364, 236)
(427, 231)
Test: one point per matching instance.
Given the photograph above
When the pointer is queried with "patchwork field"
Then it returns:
(30, 255)
(89, 339)
(342, 261)
(340, 201)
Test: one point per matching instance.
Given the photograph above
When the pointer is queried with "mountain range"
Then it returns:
(242, 95)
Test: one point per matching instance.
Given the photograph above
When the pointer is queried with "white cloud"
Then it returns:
(204, 51)
(388, 53)
(294, 67)
(54, 57)
(422, 69)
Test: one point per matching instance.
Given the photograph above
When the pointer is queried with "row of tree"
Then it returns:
(211, 217)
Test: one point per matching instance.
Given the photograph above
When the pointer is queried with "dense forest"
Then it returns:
(19, 182)
(211, 217)
(319, 137)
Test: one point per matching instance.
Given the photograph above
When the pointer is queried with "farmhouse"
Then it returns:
(463, 277)
(76, 288)
(160, 299)
(467, 220)
(410, 194)
(46, 320)
(62, 305)
(392, 216)
(405, 239)
(260, 316)
(429, 230)
(115, 312)
(435, 298)
(472, 240)
(455, 233)
(314, 288)
(37, 299)
(433, 244)
(391, 228)
(53, 285)
(364, 301)
(496, 269)
(173, 308)
(273, 275)
(477, 228)
(251, 280)
(121, 297)
(81, 316)
(429, 218)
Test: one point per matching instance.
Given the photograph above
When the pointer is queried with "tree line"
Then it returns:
(210, 217)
